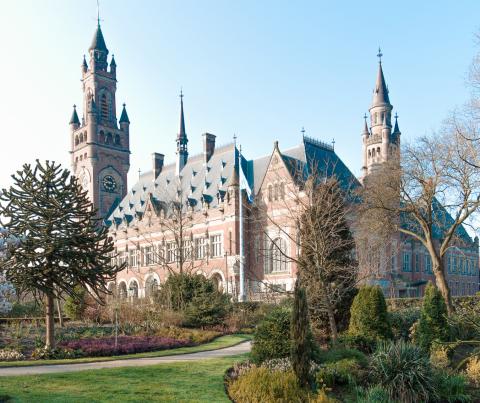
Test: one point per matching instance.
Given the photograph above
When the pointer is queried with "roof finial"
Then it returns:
(303, 132)
(181, 93)
(235, 138)
(333, 143)
(379, 55)
(98, 12)
(396, 116)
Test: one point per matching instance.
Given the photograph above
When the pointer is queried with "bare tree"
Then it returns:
(429, 195)
(312, 214)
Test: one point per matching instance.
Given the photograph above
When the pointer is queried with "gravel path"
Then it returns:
(241, 348)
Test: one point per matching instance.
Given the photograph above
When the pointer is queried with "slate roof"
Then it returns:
(98, 42)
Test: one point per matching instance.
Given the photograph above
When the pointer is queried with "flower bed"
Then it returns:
(104, 346)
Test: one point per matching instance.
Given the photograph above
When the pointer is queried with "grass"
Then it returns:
(220, 342)
(198, 381)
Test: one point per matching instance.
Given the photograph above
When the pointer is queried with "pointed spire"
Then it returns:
(380, 93)
(396, 129)
(98, 42)
(182, 135)
(112, 63)
(84, 64)
(74, 120)
(365, 127)
(124, 116)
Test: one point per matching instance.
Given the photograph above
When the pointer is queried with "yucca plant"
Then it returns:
(404, 371)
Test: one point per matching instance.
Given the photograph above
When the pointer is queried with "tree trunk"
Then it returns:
(49, 322)
(59, 310)
(442, 285)
(332, 323)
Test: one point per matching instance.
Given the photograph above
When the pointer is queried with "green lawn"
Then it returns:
(220, 342)
(199, 381)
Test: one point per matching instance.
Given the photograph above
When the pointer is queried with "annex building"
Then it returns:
(186, 216)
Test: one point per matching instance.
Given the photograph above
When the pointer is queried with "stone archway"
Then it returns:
(217, 281)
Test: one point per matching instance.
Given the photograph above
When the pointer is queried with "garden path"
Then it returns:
(132, 362)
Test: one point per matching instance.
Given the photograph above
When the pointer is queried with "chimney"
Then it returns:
(157, 160)
(208, 146)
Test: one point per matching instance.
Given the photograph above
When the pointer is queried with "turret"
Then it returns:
(113, 66)
(381, 107)
(386, 130)
(365, 136)
(125, 124)
(98, 51)
(91, 120)
(84, 65)
(74, 120)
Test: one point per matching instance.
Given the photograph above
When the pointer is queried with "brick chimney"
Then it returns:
(157, 160)
(208, 146)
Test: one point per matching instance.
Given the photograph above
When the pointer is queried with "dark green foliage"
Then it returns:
(301, 352)
(368, 315)
(29, 309)
(75, 306)
(433, 323)
(272, 337)
(196, 296)
(402, 321)
(374, 394)
(337, 354)
(339, 373)
(365, 344)
(404, 371)
(451, 388)
(62, 242)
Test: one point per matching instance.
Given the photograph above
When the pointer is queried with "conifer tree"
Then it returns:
(301, 342)
(63, 243)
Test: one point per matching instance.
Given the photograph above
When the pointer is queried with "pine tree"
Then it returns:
(433, 323)
(301, 342)
(63, 243)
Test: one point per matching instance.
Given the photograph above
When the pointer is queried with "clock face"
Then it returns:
(109, 183)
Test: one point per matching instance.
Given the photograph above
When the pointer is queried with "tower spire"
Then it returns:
(380, 93)
(182, 140)
(365, 126)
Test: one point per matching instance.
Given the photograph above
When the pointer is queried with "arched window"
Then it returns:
(101, 136)
(275, 191)
(217, 281)
(109, 138)
(117, 139)
(80, 140)
(76, 140)
(104, 107)
(270, 193)
(282, 191)
(151, 286)
(275, 259)
(122, 290)
(133, 289)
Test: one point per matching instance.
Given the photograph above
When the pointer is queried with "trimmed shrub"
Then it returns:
(365, 344)
(433, 318)
(260, 385)
(337, 354)
(272, 337)
(343, 372)
(404, 371)
(368, 314)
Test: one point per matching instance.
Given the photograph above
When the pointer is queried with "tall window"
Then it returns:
(216, 245)
(270, 193)
(133, 289)
(428, 264)
(148, 256)
(104, 107)
(455, 265)
(187, 249)
(282, 191)
(417, 262)
(406, 262)
(151, 286)
(275, 256)
(200, 248)
(133, 258)
(275, 191)
(171, 252)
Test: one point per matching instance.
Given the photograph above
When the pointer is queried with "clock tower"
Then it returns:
(100, 147)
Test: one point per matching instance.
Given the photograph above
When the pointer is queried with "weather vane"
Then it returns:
(379, 55)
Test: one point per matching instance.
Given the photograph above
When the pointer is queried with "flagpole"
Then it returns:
(241, 296)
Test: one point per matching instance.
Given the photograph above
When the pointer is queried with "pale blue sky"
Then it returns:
(261, 69)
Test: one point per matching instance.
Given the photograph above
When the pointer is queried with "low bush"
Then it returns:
(404, 371)
(28, 309)
(368, 314)
(272, 337)
(374, 394)
(126, 345)
(402, 321)
(472, 371)
(195, 336)
(433, 318)
(42, 353)
(343, 372)
(11, 355)
(365, 344)
(440, 356)
(451, 388)
(260, 385)
(337, 354)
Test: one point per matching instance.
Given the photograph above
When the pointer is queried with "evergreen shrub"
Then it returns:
(368, 314)
(433, 323)
(75, 306)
